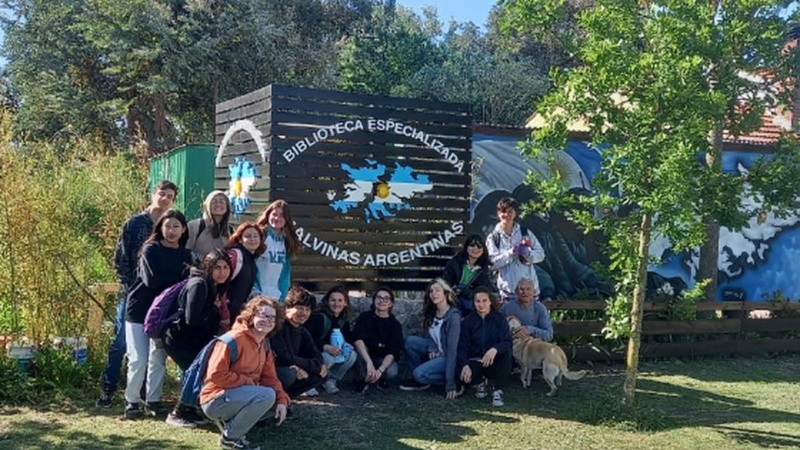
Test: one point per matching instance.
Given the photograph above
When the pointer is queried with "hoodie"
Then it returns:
(255, 365)
(510, 269)
(201, 231)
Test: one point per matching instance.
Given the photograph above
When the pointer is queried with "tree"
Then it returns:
(153, 70)
(654, 81)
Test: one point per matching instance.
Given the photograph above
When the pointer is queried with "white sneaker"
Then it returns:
(497, 398)
(330, 386)
(313, 392)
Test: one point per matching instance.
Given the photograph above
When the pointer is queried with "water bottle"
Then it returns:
(337, 340)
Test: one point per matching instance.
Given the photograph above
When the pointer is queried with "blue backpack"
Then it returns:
(196, 373)
(164, 309)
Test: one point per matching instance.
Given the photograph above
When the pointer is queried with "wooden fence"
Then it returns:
(736, 328)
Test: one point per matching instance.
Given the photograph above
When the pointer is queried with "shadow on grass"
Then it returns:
(35, 434)
(664, 406)
(379, 419)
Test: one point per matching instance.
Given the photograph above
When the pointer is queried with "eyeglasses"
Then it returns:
(383, 298)
(475, 244)
(267, 318)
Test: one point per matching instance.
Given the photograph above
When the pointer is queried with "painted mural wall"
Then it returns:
(753, 263)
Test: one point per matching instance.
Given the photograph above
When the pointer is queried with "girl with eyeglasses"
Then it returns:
(379, 342)
(468, 270)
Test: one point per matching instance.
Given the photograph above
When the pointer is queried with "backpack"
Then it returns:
(195, 375)
(165, 309)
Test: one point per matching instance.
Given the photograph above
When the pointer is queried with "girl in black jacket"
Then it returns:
(467, 271)
(333, 312)
(205, 315)
(484, 348)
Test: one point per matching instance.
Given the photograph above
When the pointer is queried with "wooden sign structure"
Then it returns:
(379, 187)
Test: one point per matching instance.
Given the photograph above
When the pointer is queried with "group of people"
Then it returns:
(236, 282)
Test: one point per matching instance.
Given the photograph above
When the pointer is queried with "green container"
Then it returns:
(191, 168)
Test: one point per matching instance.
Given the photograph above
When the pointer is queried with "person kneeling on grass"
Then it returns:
(379, 342)
(432, 359)
(236, 396)
(300, 365)
(484, 348)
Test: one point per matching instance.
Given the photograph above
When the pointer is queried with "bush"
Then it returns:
(62, 204)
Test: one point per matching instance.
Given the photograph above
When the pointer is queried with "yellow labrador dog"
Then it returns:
(532, 353)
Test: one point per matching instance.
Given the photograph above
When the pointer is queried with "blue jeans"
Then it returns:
(424, 370)
(116, 351)
(240, 408)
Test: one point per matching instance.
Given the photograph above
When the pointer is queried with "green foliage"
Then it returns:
(684, 305)
(152, 71)
(655, 84)
(62, 205)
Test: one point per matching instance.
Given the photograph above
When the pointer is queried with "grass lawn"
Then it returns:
(700, 404)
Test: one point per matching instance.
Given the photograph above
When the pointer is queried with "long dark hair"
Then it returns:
(211, 260)
(236, 238)
(347, 312)
(463, 253)
(289, 233)
(428, 308)
(157, 234)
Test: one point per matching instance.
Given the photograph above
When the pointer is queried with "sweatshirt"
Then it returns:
(294, 347)
(381, 335)
(508, 266)
(255, 365)
(274, 267)
(135, 231)
(159, 268)
(479, 334)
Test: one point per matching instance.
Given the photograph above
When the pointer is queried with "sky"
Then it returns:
(475, 11)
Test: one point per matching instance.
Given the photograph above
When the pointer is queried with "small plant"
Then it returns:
(781, 302)
(684, 305)
(607, 410)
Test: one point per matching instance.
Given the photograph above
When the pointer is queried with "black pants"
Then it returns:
(295, 387)
(498, 372)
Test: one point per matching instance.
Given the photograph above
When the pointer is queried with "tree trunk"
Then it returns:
(709, 252)
(637, 312)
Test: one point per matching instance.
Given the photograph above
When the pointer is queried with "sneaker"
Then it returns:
(459, 390)
(179, 421)
(413, 385)
(383, 384)
(155, 409)
(361, 386)
(289, 414)
(497, 398)
(330, 386)
(313, 392)
(480, 390)
(132, 411)
(238, 444)
(105, 400)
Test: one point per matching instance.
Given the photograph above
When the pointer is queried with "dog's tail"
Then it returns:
(572, 376)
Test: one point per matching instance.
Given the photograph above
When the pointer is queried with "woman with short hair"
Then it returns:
(378, 341)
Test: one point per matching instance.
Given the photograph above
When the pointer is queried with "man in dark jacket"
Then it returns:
(135, 231)
(298, 361)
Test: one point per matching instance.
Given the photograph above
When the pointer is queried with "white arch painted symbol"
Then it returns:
(248, 127)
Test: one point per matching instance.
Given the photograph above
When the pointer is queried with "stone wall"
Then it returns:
(407, 310)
